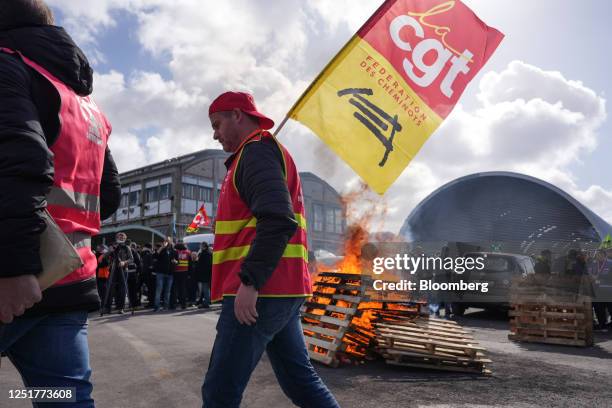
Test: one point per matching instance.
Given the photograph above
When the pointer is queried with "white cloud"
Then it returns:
(530, 121)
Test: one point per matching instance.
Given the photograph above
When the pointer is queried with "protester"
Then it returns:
(263, 288)
(122, 264)
(204, 274)
(134, 276)
(543, 263)
(103, 270)
(192, 280)
(600, 270)
(148, 275)
(181, 272)
(54, 155)
(165, 260)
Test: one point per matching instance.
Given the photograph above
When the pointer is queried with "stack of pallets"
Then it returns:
(566, 320)
(338, 320)
(551, 311)
(361, 332)
(431, 343)
(345, 322)
(326, 317)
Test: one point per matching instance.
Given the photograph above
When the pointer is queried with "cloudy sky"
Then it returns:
(538, 107)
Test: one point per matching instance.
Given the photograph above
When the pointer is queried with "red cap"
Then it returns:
(241, 100)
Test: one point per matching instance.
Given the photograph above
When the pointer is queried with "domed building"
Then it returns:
(505, 212)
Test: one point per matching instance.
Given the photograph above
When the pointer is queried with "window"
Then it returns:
(205, 194)
(338, 221)
(164, 191)
(329, 219)
(124, 200)
(189, 191)
(495, 263)
(318, 218)
(134, 198)
(152, 194)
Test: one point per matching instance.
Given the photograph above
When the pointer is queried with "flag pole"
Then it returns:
(278, 129)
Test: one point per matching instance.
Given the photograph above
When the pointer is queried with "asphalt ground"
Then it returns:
(159, 359)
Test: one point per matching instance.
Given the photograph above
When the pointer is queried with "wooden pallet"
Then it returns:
(550, 315)
(431, 343)
(326, 317)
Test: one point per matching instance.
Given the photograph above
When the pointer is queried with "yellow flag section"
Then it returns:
(364, 110)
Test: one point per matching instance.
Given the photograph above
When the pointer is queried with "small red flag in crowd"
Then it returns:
(200, 220)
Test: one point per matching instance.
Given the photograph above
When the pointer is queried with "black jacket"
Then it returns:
(164, 264)
(147, 262)
(29, 125)
(204, 266)
(261, 184)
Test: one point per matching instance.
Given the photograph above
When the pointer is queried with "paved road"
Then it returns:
(158, 360)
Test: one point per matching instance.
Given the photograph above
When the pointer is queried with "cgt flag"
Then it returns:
(200, 220)
(392, 85)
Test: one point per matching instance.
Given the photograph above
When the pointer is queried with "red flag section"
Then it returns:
(200, 220)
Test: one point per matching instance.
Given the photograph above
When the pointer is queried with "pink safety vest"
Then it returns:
(74, 199)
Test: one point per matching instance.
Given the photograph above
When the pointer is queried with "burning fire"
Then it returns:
(365, 320)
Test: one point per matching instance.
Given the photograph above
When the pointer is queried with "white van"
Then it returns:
(193, 242)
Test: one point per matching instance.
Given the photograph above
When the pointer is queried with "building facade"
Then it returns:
(161, 199)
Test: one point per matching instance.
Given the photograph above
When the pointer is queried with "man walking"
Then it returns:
(259, 262)
(54, 155)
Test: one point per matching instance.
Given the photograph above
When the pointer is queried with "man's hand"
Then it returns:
(245, 305)
(16, 295)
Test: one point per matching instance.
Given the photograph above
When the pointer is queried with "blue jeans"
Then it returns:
(163, 281)
(51, 351)
(238, 348)
(204, 293)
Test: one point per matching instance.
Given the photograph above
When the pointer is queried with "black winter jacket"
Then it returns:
(204, 266)
(29, 125)
(164, 264)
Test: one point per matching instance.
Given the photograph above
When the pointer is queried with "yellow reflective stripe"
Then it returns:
(237, 253)
(301, 220)
(296, 251)
(230, 254)
(234, 227)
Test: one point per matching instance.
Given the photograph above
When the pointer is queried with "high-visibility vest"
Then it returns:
(235, 232)
(184, 255)
(74, 199)
(103, 271)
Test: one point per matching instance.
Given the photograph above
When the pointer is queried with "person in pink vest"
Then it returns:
(260, 258)
(53, 156)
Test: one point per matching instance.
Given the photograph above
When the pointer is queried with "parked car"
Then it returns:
(193, 242)
(499, 271)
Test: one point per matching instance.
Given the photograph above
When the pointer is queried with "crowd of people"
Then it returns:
(167, 275)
